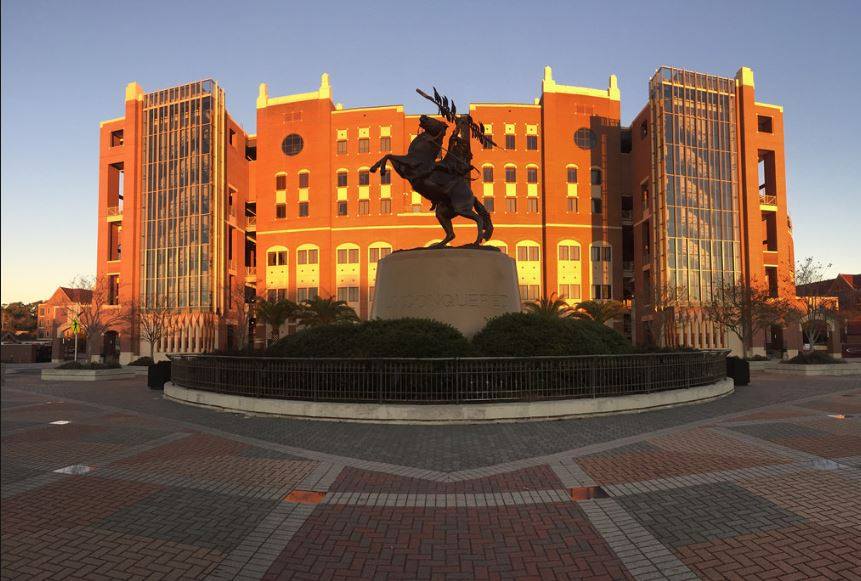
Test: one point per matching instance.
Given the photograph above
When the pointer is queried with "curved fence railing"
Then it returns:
(453, 380)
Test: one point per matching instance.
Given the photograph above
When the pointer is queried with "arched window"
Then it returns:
(342, 178)
(528, 251)
(503, 247)
(277, 256)
(596, 176)
(569, 250)
(347, 254)
(571, 174)
(487, 173)
(307, 254)
(377, 251)
(281, 181)
(510, 174)
(532, 174)
(304, 178)
(596, 193)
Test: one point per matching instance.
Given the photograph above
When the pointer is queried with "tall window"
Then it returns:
(307, 256)
(386, 178)
(571, 174)
(532, 175)
(596, 176)
(304, 179)
(527, 253)
(531, 205)
(385, 144)
(386, 206)
(529, 292)
(306, 293)
(349, 294)
(511, 205)
(604, 253)
(114, 289)
(487, 174)
(569, 291)
(348, 256)
(532, 142)
(364, 145)
(364, 207)
(281, 182)
(377, 254)
(597, 206)
(276, 258)
(572, 204)
(488, 203)
(303, 209)
(602, 292)
(569, 252)
(280, 211)
(342, 208)
(342, 179)
(364, 178)
(342, 146)
(509, 142)
(510, 174)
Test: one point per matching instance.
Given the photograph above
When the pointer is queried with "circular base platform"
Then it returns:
(450, 413)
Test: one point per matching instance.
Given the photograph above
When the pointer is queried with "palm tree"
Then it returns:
(553, 307)
(275, 313)
(318, 311)
(599, 311)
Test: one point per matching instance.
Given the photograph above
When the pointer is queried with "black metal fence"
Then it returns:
(448, 380)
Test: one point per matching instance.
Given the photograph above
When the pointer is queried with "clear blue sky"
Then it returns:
(65, 65)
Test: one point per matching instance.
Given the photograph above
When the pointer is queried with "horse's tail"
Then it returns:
(485, 215)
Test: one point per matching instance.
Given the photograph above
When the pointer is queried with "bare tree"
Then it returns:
(746, 310)
(241, 313)
(668, 300)
(151, 322)
(101, 314)
(819, 310)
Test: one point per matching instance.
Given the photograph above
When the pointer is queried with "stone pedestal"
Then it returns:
(463, 287)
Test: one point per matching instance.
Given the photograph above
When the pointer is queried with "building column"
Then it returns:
(792, 340)
(835, 345)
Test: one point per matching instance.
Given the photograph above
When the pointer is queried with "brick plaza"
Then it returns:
(764, 483)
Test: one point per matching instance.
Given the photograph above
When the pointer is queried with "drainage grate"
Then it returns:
(588, 493)
(305, 496)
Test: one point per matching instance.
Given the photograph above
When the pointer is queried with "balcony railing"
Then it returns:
(627, 215)
(250, 222)
(767, 200)
(114, 211)
(627, 267)
(251, 271)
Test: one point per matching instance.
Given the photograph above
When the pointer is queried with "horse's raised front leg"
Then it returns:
(381, 164)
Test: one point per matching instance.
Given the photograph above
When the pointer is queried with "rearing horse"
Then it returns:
(444, 184)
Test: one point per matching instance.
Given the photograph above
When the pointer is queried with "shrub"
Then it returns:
(142, 362)
(813, 358)
(379, 338)
(526, 335)
(87, 365)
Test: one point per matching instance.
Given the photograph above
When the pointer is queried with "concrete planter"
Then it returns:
(86, 374)
(763, 365)
(819, 369)
(140, 370)
(450, 413)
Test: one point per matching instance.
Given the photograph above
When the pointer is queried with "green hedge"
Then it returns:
(87, 365)
(813, 358)
(390, 338)
(527, 335)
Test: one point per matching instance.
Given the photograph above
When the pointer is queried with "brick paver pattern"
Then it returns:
(764, 483)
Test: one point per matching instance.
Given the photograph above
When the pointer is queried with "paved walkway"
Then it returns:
(109, 480)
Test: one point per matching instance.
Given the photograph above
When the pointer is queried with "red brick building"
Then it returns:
(192, 207)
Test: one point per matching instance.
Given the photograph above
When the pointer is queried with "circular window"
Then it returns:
(585, 138)
(292, 144)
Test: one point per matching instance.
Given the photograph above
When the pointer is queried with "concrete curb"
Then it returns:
(820, 369)
(449, 414)
(85, 374)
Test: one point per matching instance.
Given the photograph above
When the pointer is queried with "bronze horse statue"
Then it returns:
(444, 183)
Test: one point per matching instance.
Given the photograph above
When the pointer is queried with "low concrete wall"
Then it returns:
(86, 374)
(452, 413)
(819, 369)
